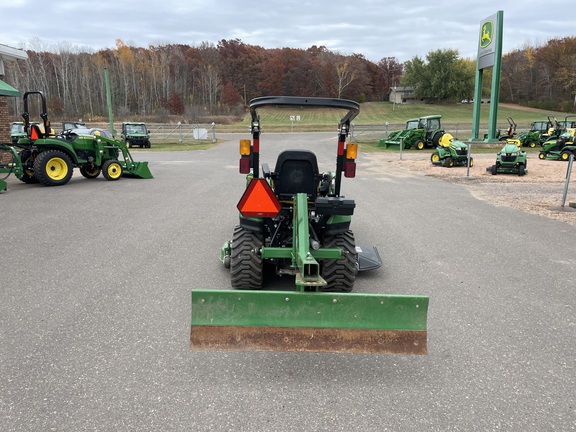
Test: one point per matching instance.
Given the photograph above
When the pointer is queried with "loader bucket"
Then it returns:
(137, 169)
(297, 321)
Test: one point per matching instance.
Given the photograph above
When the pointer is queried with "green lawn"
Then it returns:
(382, 112)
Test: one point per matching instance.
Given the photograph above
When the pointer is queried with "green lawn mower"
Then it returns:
(558, 148)
(510, 160)
(450, 152)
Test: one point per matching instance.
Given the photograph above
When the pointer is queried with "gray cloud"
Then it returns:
(375, 29)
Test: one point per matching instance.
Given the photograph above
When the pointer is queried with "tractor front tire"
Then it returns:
(340, 274)
(246, 266)
(53, 168)
(565, 155)
(541, 155)
(448, 162)
(494, 169)
(532, 144)
(90, 173)
(111, 170)
(521, 170)
(419, 145)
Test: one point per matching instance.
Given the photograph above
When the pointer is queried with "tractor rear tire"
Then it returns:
(53, 168)
(436, 139)
(111, 170)
(246, 266)
(435, 158)
(448, 162)
(340, 274)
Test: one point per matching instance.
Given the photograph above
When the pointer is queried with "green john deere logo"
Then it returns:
(487, 34)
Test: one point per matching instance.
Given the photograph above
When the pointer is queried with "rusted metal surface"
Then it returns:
(304, 339)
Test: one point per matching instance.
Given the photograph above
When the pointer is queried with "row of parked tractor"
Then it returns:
(556, 139)
(134, 134)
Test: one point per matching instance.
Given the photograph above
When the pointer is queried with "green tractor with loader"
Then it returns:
(510, 160)
(451, 152)
(295, 221)
(48, 158)
(420, 133)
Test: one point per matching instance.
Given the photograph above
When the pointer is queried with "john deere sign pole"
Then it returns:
(489, 55)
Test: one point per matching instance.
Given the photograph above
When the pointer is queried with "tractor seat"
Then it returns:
(296, 172)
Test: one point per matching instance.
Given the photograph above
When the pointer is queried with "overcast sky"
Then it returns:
(373, 28)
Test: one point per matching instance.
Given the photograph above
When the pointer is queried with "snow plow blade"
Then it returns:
(295, 321)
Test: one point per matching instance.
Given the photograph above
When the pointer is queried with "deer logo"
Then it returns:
(487, 33)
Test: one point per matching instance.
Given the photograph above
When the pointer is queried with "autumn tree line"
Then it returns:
(220, 79)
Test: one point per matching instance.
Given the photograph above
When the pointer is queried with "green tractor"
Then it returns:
(136, 134)
(450, 152)
(420, 133)
(560, 145)
(49, 159)
(293, 220)
(534, 137)
(510, 160)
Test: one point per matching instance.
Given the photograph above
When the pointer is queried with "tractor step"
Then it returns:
(296, 321)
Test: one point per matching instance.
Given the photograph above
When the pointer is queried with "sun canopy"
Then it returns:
(8, 90)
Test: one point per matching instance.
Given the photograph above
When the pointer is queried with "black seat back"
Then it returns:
(296, 172)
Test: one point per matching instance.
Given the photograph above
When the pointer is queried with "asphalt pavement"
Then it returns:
(95, 281)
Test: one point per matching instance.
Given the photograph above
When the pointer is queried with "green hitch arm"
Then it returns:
(302, 258)
(305, 263)
(15, 166)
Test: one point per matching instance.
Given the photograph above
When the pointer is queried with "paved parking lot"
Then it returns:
(95, 281)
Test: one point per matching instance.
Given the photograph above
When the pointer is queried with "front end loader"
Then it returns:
(420, 133)
(294, 219)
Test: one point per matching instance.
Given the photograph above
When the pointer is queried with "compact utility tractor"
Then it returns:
(43, 157)
(422, 132)
(510, 160)
(450, 152)
(294, 219)
(534, 137)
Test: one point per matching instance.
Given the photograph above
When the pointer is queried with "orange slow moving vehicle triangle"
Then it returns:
(259, 200)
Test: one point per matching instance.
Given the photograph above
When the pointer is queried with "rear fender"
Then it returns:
(54, 144)
(338, 224)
